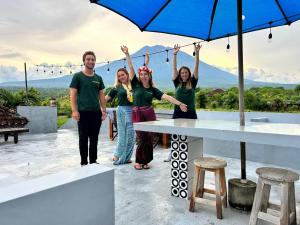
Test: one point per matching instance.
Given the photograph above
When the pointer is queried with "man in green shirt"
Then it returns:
(87, 94)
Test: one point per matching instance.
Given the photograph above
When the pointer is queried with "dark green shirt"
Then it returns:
(88, 88)
(143, 96)
(121, 94)
(185, 95)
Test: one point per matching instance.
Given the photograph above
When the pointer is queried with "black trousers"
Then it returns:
(190, 114)
(88, 129)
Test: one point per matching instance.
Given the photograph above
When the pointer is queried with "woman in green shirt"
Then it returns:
(122, 90)
(185, 84)
(143, 92)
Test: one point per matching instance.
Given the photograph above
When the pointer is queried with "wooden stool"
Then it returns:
(283, 214)
(213, 165)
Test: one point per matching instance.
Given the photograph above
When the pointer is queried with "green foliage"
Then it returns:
(297, 88)
(231, 99)
(112, 103)
(61, 120)
(201, 99)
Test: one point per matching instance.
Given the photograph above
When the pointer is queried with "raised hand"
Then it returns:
(197, 47)
(176, 49)
(124, 49)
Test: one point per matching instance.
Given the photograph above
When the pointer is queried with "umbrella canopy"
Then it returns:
(204, 19)
(209, 20)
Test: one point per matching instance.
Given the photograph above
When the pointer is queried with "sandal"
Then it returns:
(129, 161)
(146, 167)
(115, 158)
(138, 167)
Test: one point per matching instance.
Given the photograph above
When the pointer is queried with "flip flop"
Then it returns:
(138, 167)
(146, 167)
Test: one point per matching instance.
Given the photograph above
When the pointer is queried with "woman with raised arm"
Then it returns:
(143, 92)
(185, 84)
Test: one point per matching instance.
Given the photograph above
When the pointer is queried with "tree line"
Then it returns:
(270, 99)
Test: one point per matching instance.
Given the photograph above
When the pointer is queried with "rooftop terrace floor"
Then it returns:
(141, 197)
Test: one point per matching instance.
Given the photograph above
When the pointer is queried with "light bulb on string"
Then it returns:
(71, 70)
(81, 66)
(228, 45)
(52, 70)
(167, 59)
(44, 69)
(144, 60)
(194, 53)
(107, 67)
(270, 36)
(37, 68)
(124, 61)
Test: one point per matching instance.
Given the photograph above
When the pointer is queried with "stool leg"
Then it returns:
(200, 190)
(293, 203)
(265, 197)
(284, 212)
(218, 194)
(257, 202)
(223, 187)
(195, 187)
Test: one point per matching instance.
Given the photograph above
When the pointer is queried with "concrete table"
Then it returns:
(77, 196)
(187, 142)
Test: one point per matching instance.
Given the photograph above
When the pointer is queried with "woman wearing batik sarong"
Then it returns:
(143, 92)
(122, 90)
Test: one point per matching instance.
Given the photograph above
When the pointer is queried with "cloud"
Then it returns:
(46, 20)
(11, 55)
(258, 74)
(10, 73)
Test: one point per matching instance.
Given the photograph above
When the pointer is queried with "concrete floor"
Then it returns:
(142, 197)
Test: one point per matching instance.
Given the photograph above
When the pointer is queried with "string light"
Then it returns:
(167, 59)
(228, 45)
(107, 66)
(71, 67)
(270, 34)
(194, 53)
(124, 61)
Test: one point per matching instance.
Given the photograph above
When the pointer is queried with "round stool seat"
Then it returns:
(210, 163)
(277, 174)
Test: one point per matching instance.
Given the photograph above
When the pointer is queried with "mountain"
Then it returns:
(209, 76)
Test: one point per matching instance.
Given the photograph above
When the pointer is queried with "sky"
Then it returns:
(58, 32)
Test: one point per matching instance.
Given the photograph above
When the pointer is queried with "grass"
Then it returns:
(61, 120)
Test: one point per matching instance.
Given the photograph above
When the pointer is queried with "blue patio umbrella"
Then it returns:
(208, 20)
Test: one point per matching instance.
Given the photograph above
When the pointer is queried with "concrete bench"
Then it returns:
(78, 196)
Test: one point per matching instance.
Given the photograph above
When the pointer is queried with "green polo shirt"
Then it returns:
(121, 94)
(88, 88)
(143, 96)
(185, 95)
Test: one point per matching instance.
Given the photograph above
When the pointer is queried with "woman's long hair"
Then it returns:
(188, 84)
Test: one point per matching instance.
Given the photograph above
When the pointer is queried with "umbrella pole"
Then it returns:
(241, 85)
(241, 191)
